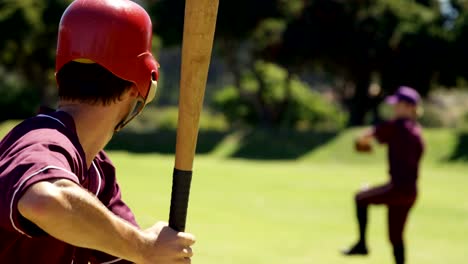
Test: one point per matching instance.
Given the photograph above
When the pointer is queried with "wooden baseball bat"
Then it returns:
(199, 28)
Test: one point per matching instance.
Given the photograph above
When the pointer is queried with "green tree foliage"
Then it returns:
(236, 19)
(27, 48)
(402, 42)
(455, 61)
(410, 42)
(247, 31)
(275, 98)
(17, 100)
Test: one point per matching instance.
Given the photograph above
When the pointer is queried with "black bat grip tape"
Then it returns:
(181, 181)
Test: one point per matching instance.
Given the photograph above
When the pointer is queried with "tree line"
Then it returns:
(267, 47)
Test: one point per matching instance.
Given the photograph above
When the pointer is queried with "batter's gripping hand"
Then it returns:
(362, 146)
(167, 246)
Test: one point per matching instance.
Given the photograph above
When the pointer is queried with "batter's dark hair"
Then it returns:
(89, 83)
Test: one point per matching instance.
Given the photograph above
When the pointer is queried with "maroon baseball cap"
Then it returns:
(404, 94)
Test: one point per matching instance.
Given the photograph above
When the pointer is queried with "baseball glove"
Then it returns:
(362, 147)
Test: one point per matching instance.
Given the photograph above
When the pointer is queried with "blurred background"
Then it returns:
(291, 83)
(289, 64)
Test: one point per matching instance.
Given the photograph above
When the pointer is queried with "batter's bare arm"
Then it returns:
(71, 214)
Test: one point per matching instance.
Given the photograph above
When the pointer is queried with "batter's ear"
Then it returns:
(134, 91)
(130, 93)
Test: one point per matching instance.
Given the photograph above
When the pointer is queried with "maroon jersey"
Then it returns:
(44, 148)
(405, 149)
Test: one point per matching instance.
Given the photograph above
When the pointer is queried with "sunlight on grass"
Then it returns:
(296, 212)
(300, 211)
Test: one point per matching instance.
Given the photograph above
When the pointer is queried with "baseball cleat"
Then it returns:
(358, 249)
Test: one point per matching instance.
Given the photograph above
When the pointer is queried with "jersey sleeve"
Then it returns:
(39, 162)
(112, 199)
(111, 195)
(383, 132)
(119, 208)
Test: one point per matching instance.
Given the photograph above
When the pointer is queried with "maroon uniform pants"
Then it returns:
(399, 202)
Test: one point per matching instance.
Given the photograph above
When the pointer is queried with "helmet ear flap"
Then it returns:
(140, 103)
(137, 107)
(153, 88)
(155, 75)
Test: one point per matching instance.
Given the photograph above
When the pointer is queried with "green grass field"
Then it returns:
(301, 211)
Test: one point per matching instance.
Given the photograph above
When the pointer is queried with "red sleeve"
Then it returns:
(38, 163)
(384, 132)
(111, 195)
(119, 208)
(112, 199)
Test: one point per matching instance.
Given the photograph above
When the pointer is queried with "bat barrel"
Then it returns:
(181, 181)
(199, 28)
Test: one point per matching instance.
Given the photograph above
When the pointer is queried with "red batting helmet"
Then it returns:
(115, 34)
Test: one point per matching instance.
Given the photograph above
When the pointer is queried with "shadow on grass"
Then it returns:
(256, 144)
(460, 152)
(280, 145)
(162, 141)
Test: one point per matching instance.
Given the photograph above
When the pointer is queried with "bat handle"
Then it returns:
(181, 181)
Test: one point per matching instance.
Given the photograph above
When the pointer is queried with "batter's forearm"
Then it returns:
(71, 214)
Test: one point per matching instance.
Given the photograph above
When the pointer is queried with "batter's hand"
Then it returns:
(168, 246)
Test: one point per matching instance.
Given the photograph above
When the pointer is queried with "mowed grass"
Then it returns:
(301, 212)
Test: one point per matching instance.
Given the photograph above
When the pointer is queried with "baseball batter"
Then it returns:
(59, 198)
(403, 137)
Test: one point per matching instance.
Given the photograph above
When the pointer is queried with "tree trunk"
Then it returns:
(284, 105)
(37, 75)
(266, 116)
(230, 49)
(360, 104)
